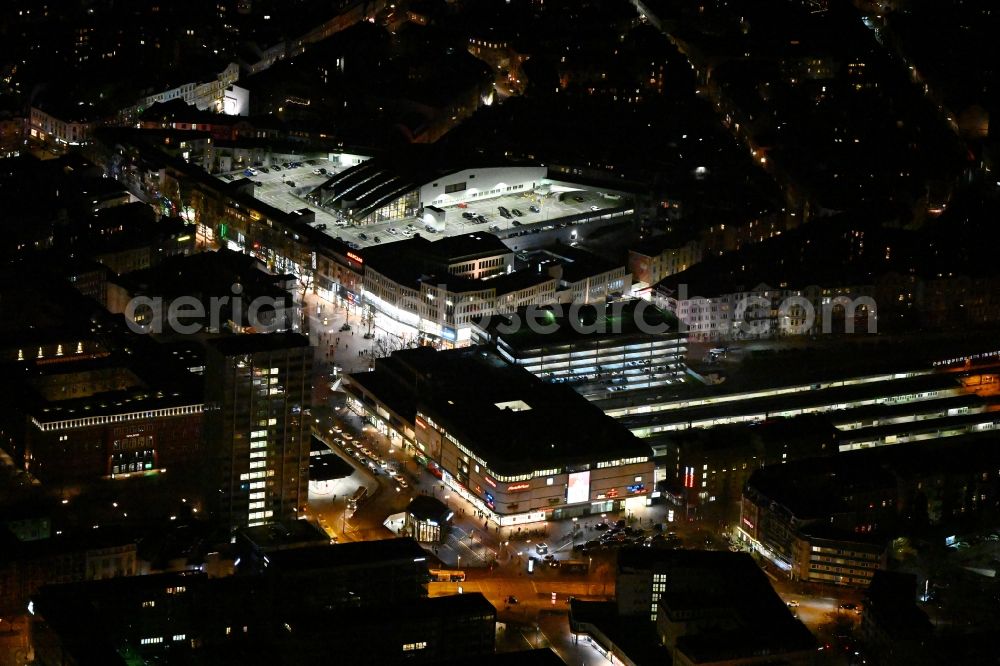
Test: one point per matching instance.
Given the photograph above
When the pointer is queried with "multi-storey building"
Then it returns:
(764, 311)
(441, 289)
(82, 412)
(258, 388)
(822, 520)
(583, 277)
(26, 566)
(520, 449)
(601, 350)
(655, 259)
(289, 612)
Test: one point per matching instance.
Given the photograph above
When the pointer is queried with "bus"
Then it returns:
(357, 498)
(574, 566)
(447, 576)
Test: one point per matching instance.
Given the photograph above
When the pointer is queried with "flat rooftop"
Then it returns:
(354, 553)
(818, 487)
(757, 620)
(592, 323)
(820, 398)
(287, 190)
(772, 364)
(252, 343)
(512, 420)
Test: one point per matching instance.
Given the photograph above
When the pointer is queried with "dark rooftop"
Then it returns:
(735, 585)
(279, 536)
(425, 507)
(592, 322)
(258, 342)
(818, 487)
(510, 418)
(576, 263)
(354, 553)
(469, 245)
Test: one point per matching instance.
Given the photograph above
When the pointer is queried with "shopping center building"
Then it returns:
(519, 449)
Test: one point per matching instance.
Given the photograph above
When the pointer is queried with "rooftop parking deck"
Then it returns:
(286, 189)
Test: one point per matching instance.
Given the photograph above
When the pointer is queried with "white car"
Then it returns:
(392, 231)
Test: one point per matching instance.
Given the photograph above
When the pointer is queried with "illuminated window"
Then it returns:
(409, 647)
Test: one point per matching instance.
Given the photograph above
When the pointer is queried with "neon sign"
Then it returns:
(355, 257)
(515, 487)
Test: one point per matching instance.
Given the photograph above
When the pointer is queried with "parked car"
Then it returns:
(516, 213)
(516, 223)
(469, 216)
(534, 209)
(265, 170)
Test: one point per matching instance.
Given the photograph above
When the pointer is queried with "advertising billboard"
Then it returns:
(579, 488)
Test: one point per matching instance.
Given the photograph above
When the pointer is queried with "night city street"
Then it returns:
(499, 332)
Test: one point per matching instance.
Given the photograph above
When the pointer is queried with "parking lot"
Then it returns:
(550, 208)
(286, 188)
(275, 189)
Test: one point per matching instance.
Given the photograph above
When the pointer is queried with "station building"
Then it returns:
(519, 449)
